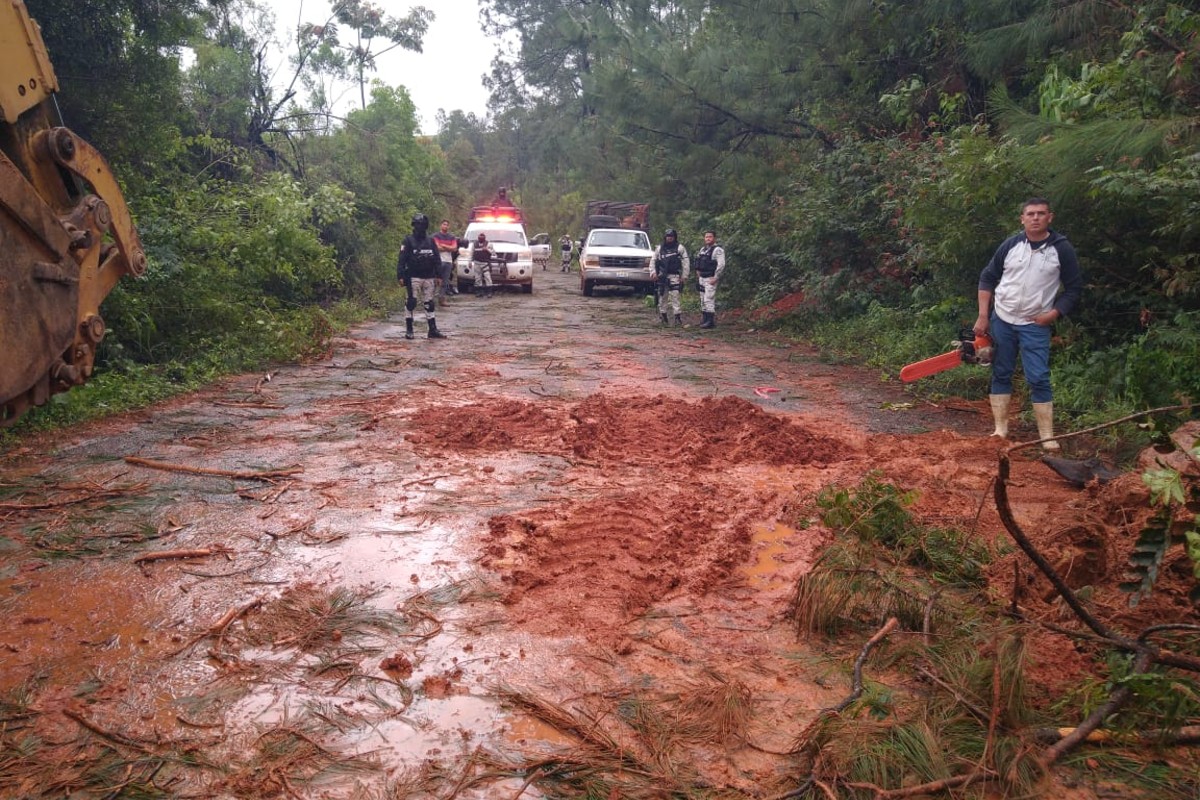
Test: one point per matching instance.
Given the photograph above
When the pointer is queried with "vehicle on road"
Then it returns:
(505, 230)
(615, 250)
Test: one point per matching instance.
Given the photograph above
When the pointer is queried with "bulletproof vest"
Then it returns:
(706, 264)
(480, 253)
(669, 261)
(424, 261)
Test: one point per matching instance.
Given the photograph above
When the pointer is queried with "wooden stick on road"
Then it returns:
(265, 475)
(162, 555)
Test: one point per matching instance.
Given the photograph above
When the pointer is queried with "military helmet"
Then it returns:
(420, 223)
(670, 234)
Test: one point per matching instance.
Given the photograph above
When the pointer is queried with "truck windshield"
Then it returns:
(507, 237)
(635, 239)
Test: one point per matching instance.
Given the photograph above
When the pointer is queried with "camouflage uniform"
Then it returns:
(671, 269)
(418, 269)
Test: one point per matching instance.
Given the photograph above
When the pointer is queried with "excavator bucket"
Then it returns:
(66, 235)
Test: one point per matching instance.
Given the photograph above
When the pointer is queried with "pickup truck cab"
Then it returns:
(505, 230)
(616, 257)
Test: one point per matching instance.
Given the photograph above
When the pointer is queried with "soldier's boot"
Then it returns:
(709, 321)
(663, 319)
(1044, 414)
(408, 329)
(999, 404)
(434, 333)
(678, 321)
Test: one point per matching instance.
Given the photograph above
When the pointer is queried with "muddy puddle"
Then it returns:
(395, 552)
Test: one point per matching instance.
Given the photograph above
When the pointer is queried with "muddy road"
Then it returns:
(381, 574)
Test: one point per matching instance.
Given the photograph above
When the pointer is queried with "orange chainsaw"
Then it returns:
(969, 349)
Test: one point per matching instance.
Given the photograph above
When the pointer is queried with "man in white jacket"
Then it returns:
(1020, 288)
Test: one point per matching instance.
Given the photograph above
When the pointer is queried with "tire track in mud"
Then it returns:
(671, 514)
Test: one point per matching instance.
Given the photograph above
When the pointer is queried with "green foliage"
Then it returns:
(1176, 520)
(1163, 700)
(874, 511)
(879, 572)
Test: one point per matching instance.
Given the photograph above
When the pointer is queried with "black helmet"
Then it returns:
(670, 234)
(420, 223)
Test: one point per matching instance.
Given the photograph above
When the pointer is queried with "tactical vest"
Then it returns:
(481, 254)
(670, 262)
(706, 264)
(423, 259)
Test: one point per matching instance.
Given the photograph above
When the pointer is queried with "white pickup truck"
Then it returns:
(505, 230)
(616, 257)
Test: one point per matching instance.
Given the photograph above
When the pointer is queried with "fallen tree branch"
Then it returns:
(1122, 695)
(264, 475)
(857, 685)
(1189, 734)
(163, 555)
(68, 501)
(958, 781)
(218, 627)
(106, 734)
(1157, 655)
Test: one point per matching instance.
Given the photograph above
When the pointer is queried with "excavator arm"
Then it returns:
(66, 235)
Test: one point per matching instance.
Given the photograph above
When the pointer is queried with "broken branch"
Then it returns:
(264, 475)
(162, 555)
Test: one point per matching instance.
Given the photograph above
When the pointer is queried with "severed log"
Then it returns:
(1189, 734)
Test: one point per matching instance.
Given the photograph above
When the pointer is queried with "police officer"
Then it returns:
(482, 254)
(418, 268)
(671, 268)
(565, 246)
(710, 263)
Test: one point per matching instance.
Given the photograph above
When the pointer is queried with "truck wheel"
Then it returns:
(526, 288)
(587, 288)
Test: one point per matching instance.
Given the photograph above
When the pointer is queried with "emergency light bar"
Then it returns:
(496, 214)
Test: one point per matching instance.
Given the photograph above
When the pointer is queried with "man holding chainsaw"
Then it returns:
(1019, 286)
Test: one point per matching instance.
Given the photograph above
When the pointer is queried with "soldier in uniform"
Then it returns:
(671, 269)
(565, 245)
(482, 254)
(710, 263)
(418, 269)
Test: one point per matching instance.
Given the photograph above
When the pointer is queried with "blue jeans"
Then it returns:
(1033, 342)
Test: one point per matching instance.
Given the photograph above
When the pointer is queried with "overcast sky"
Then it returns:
(447, 75)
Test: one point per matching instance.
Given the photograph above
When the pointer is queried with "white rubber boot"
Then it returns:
(1044, 414)
(1000, 413)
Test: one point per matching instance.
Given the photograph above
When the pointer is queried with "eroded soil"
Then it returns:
(561, 501)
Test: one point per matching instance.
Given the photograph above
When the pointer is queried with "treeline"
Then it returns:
(867, 155)
(872, 154)
(267, 218)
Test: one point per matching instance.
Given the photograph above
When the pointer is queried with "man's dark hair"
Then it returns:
(445, 221)
(1035, 201)
(710, 230)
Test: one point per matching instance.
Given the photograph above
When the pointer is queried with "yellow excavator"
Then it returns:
(66, 236)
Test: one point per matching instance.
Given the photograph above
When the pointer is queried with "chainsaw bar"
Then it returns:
(931, 366)
(972, 349)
